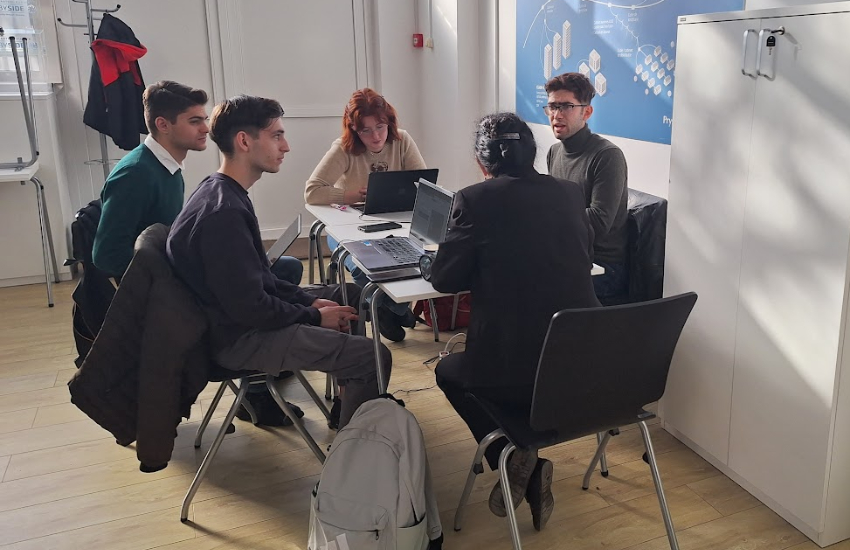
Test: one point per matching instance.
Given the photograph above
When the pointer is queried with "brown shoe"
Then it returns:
(539, 493)
(520, 466)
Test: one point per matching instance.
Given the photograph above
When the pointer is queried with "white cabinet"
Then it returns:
(759, 227)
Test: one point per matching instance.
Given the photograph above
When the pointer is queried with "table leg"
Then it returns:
(312, 251)
(376, 339)
(319, 256)
(434, 319)
(370, 288)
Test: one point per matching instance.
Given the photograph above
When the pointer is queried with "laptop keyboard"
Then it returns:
(399, 250)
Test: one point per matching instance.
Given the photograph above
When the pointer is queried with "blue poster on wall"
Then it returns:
(628, 51)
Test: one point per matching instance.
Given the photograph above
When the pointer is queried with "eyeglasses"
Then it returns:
(367, 132)
(551, 108)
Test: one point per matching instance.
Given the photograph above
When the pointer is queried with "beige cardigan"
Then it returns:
(339, 171)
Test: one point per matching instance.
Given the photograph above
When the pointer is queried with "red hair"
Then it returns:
(364, 103)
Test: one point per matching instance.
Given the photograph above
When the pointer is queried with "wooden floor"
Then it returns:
(67, 485)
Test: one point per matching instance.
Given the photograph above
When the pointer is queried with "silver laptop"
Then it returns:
(285, 240)
(429, 226)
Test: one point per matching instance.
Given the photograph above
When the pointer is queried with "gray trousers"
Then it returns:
(351, 359)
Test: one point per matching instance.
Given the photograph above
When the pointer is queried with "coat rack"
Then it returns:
(90, 19)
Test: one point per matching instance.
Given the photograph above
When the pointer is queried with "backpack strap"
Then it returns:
(392, 398)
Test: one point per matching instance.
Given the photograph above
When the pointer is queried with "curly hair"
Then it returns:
(504, 144)
(364, 103)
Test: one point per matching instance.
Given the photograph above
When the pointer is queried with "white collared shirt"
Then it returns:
(162, 155)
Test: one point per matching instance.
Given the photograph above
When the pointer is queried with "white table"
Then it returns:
(330, 216)
(342, 226)
(23, 176)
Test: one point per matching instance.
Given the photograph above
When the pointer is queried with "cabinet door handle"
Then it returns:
(780, 31)
(744, 53)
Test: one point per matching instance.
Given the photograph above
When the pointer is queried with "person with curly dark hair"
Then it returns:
(521, 243)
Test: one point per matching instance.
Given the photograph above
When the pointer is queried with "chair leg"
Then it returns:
(476, 468)
(299, 425)
(662, 501)
(205, 464)
(434, 319)
(46, 239)
(208, 415)
(600, 451)
(603, 460)
(50, 248)
(506, 493)
(329, 383)
(313, 395)
(245, 403)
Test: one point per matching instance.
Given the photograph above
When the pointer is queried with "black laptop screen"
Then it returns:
(431, 214)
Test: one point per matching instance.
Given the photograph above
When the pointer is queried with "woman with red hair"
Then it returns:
(371, 142)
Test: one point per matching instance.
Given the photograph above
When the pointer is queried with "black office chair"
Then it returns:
(599, 367)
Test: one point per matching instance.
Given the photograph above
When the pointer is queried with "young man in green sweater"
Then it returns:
(146, 187)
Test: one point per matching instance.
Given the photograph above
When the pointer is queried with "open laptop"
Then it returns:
(285, 240)
(394, 191)
(429, 226)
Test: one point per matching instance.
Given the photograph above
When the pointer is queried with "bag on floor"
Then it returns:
(375, 491)
(445, 309)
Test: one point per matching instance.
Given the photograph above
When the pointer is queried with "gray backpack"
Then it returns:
(375, 491)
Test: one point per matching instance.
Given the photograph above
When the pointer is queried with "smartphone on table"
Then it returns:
(372, 228)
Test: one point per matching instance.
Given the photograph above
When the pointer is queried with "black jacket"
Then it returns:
(115, 85)
(94, 291)
(151, 358)
(522, 246)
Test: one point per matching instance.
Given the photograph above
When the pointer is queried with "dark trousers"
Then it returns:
(612, 287)
(351, 359)
(451, 379)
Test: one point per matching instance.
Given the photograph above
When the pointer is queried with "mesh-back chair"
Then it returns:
(598, 368)
(245, 378)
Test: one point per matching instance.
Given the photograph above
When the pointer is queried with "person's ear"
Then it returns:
(242, 141)
(162, 125)
(587, 112)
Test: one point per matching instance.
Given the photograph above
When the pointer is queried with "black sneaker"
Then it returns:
(539, 493)
(333, 421)
(521, 465)
(389, 325)
(268, 413)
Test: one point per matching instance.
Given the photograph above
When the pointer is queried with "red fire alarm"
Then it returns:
(417, 40)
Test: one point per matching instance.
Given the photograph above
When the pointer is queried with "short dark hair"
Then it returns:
(167, 99)
(243, 113)
(576, 83)
(504, 144)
